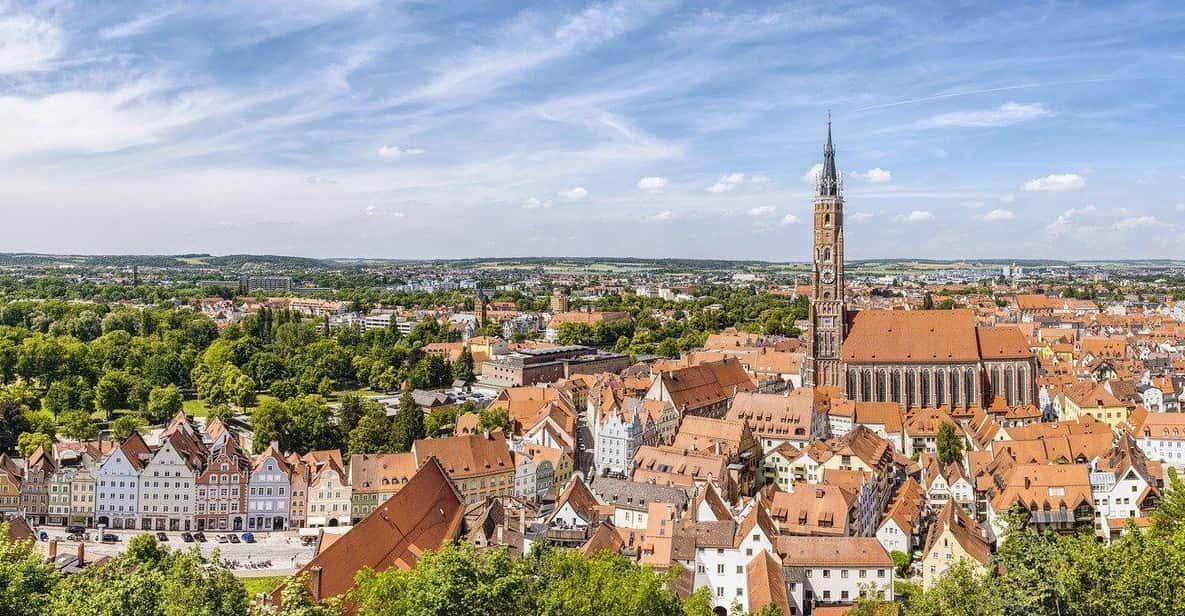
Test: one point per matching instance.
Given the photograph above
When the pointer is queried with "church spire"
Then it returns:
(828, 178)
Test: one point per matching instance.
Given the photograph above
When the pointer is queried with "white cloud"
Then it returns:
(652, 184)
(759, 179)
(812, 175)
(875, 175)
(575, 193)
(393, 151)
(859, 216)
(727, 183)
(998, 214)
(27, 43)
(534, 203)
(1004, 115)
(1055, 183)
(95, 121)
(372, 210)
(791, 219)
(663, 216)
(764, 210)
(1137, 221)
(1068, 219)
(916, 216)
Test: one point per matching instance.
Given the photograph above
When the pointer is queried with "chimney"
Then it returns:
(81, 553)
(53, 549)
(315, 582)
(1028, 482)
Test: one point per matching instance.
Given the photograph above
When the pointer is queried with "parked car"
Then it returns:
(110, 538)
(160, 536)
(75, 529)
(234, 539)
(75, 537)
(200, 537)
(248, 538)
(220, 538)
(186, 537)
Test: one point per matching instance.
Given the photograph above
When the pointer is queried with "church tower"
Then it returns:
(823, 366)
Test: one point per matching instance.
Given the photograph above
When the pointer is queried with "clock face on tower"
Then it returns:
(827, 275)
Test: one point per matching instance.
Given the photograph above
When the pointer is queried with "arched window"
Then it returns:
(826, 253)
(880, 385)
(940, 387)
(997, 381)
(852, 384)
(955, 399)
(911, 379)
(826, 220)
(1009, 380)
(866, 385)
(970, 387)
(925, 397)
(895, 387)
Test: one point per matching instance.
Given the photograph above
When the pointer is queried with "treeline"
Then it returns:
(60, 362)
(461, 580)
(1043, 573)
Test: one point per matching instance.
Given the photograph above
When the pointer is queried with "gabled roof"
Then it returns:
(912, 336)
(423, 516)
(965, 530)
(832, 552)
(706, 384)
(135, 450)
(578, 496)
(469, 455)
(766, 584)
(381, 472)
(783, 416)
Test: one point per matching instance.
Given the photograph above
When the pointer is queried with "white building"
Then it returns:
(117, 484)
(168, 482)
(619, 436)
(269, 492)
(834, 570)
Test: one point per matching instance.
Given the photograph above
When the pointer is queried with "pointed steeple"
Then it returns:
(828, 178)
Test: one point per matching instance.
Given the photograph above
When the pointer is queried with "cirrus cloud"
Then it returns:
(790, 219)
(534, 203)
(764, 210)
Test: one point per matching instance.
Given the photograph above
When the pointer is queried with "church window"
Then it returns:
(880, 386)
(925, 389)
(866, 385)
(826, 220)
(940, 388)
(911, 388)
(827, 253)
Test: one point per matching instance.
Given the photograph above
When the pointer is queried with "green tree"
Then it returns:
(408, 424)
(12, 423)
(163, 404)
(349, 412)
(28, 442)
(491, 419)
(270, 422)
(124, 425)
(79, 425)
(26, 582)
(1170, 515)
(295, 600)
(950, 445)
(463, 369)
(901, 560)
(373, 433)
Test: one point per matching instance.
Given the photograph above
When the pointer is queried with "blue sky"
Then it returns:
(654, 129)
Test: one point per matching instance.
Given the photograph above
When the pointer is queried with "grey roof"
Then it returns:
(635, 495)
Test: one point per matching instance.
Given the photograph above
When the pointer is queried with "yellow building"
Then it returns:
(1094, 399)
(955, 536)
(479, 465)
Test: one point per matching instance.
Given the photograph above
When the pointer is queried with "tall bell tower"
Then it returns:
(823, 366)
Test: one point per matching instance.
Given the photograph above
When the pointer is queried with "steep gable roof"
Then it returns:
(423, 516)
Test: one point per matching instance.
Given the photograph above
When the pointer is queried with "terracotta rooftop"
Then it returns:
(423, 516)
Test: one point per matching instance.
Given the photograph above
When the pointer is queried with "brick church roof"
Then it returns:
(922, 336)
